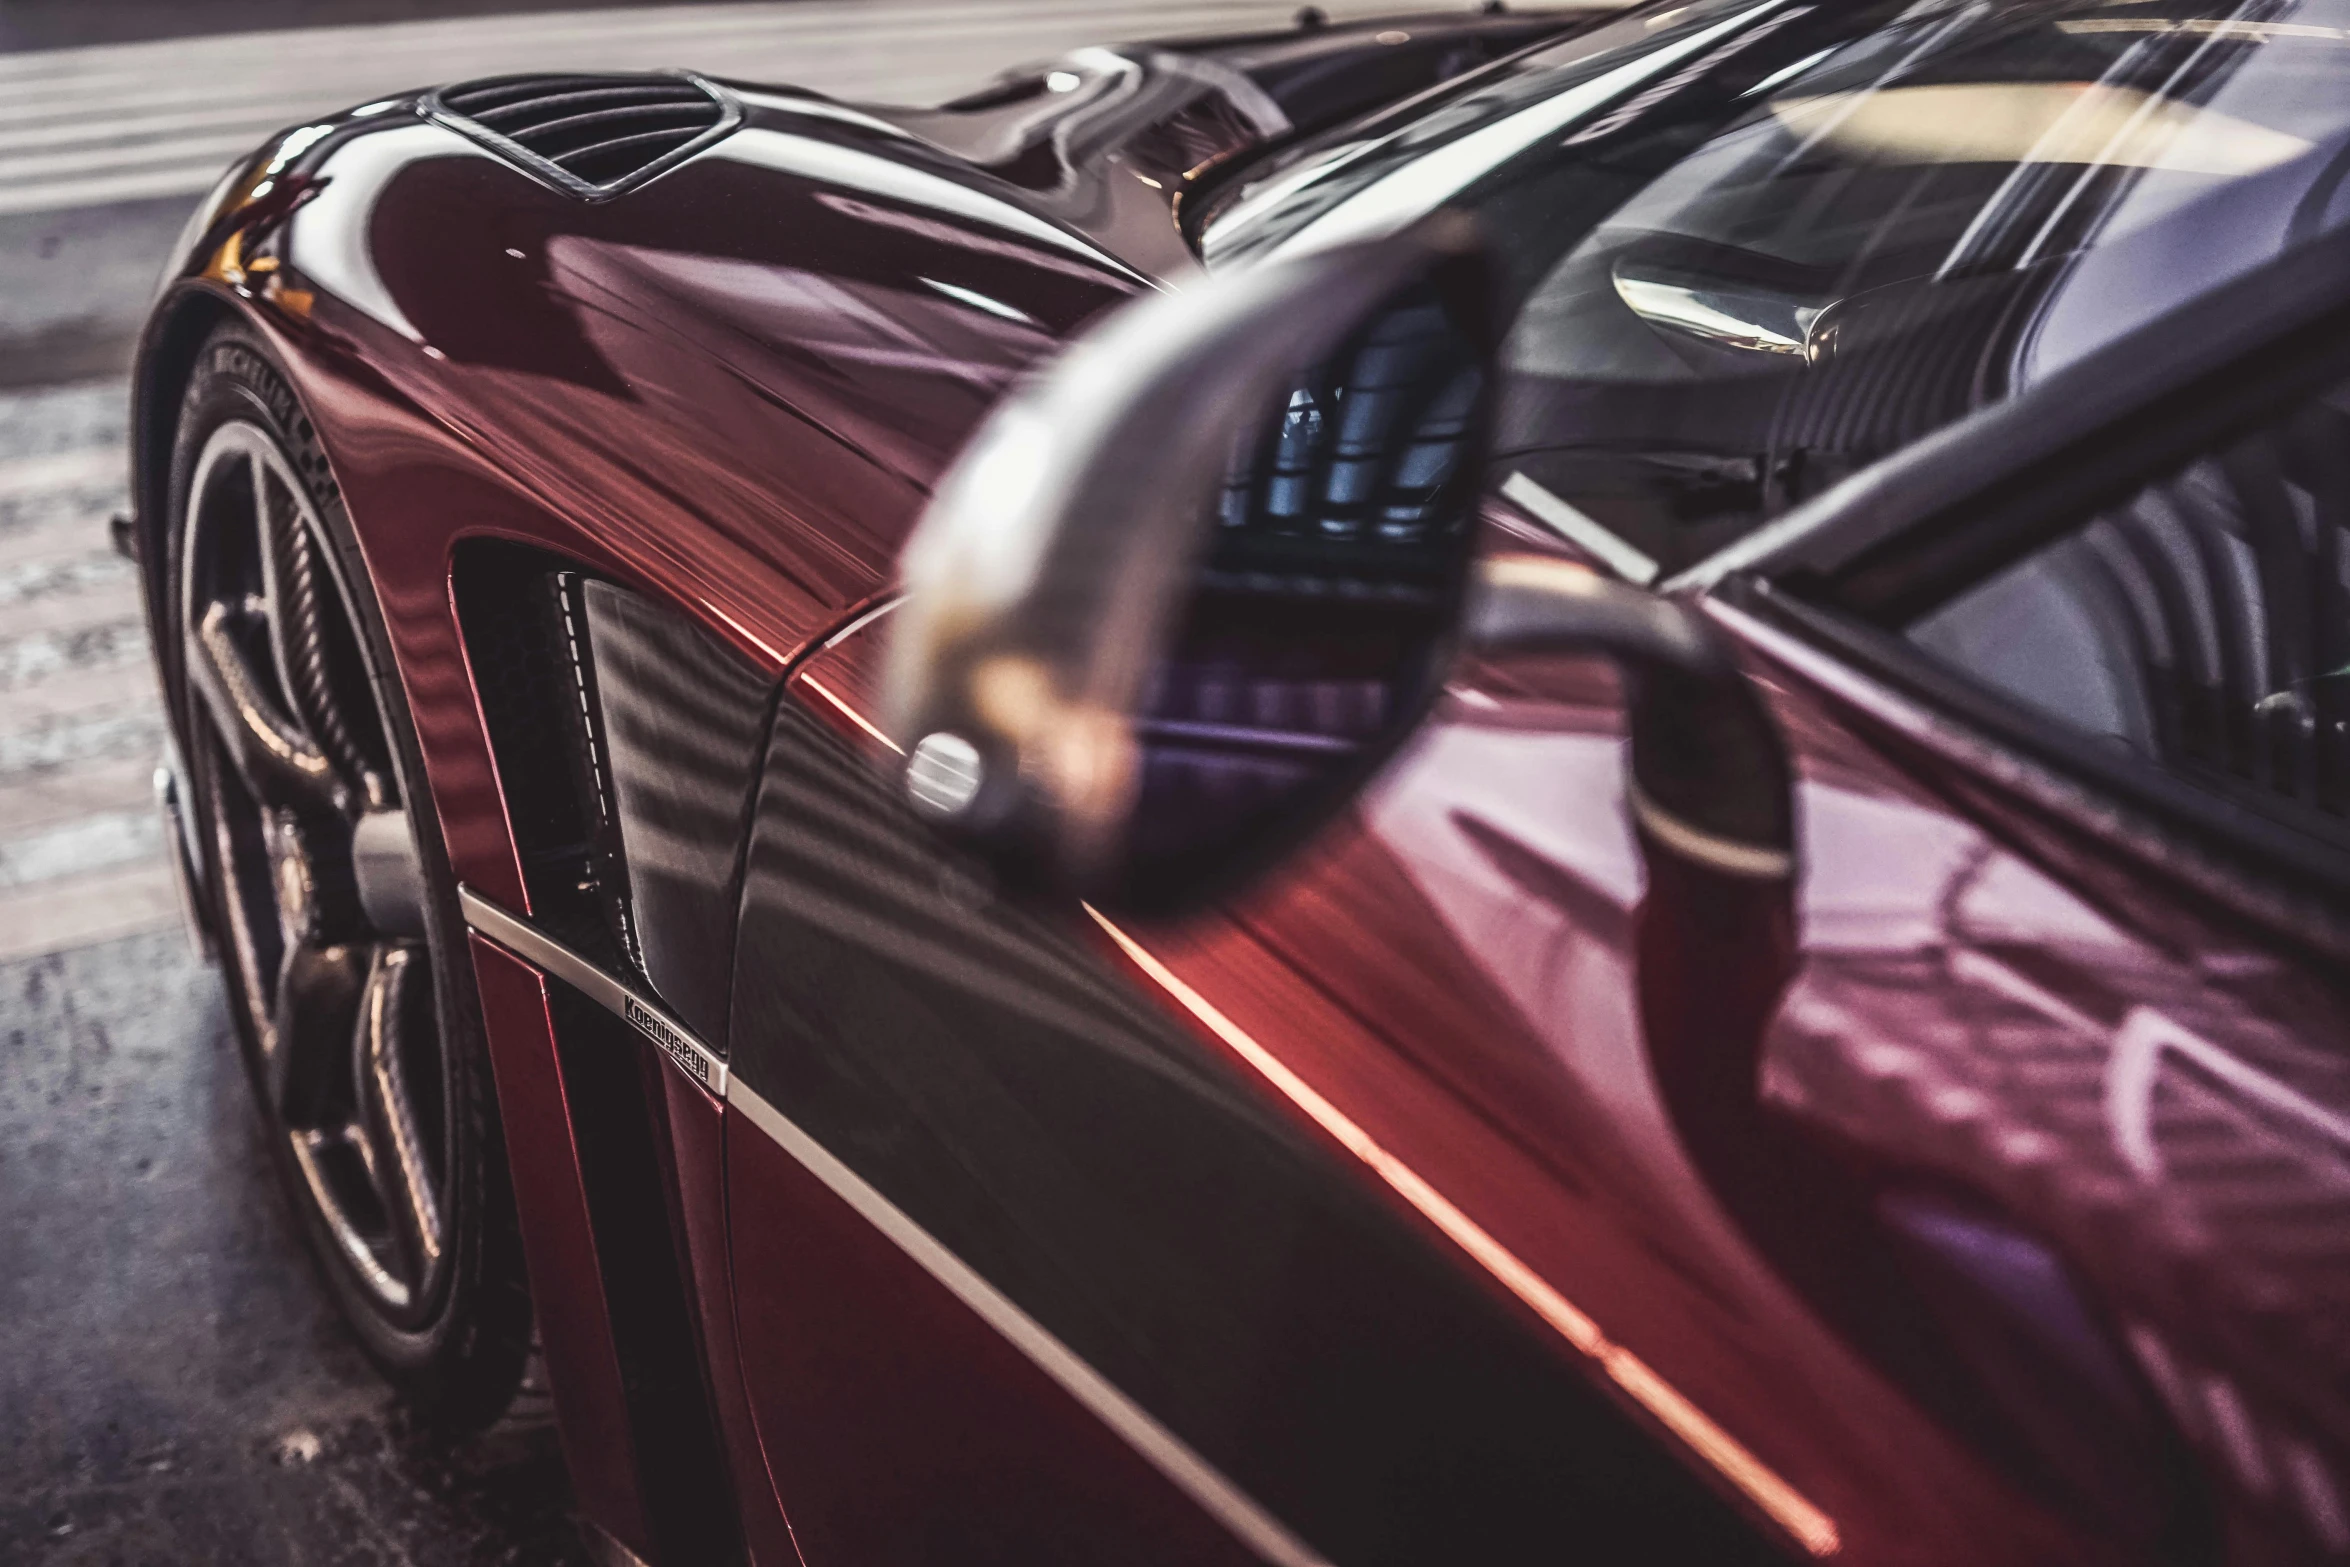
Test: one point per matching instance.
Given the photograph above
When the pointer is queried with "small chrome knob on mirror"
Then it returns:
(943, 775)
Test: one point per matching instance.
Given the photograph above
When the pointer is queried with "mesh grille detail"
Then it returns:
(593, 136)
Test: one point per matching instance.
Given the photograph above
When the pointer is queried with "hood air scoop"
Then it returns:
(589, 136)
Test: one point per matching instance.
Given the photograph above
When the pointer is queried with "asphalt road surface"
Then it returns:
(173, 1386)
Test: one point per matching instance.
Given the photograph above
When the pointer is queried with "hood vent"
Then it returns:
(590, 136)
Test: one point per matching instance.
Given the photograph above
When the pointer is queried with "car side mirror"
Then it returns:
(1189, 587)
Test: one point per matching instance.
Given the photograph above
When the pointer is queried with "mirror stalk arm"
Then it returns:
(1709, 779)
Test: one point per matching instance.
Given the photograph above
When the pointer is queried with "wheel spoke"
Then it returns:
(269, 525)
(319, 993)
(291, 585)
(396, 1000)
(274, 758)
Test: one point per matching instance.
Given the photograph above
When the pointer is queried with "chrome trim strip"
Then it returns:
(1159, 1447)
(862, 620)
(2218, 873)
(535, 947)
(1729, 856)
(1838, 678)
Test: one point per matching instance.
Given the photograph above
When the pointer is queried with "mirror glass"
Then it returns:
(1320, 615)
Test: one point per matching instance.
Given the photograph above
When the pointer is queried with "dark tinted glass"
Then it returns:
(1751, 249)
(2201, 629)
(1318, 621)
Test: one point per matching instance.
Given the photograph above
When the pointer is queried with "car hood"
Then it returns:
(767, 353)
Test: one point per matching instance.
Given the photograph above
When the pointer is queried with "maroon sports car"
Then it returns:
(1499, 787)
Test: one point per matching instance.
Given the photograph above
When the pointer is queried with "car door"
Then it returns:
(2031, 1097)
(1057, 1238)
(1030, 1267)
(1955, 1198)
(2095, 1015)
(1489, 927)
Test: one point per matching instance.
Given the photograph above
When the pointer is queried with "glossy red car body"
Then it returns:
(731, 391)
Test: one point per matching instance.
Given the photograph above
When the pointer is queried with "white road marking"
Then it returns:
(80, 724)
(87, 466)
(57, 916)
(77, 847)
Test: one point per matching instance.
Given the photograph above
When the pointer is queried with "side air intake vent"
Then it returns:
(592, 136)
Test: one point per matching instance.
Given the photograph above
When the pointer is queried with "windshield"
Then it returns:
(1750, 248)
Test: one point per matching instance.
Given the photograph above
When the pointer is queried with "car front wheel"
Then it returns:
(331, 899)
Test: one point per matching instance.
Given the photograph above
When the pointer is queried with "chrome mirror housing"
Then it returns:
(1187, 587)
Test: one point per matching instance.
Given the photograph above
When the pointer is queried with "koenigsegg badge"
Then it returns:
(664, 1033)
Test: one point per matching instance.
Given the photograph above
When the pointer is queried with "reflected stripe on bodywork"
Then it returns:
(1802, 1519)
(1789, 1508)
(1198, 1479)
(852, 169)
(1154, 1443)
(534, 946)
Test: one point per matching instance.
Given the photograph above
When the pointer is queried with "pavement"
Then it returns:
(176, 1388)
(80, 725)
(173, 1385)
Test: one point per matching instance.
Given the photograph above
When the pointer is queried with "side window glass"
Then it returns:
(2201, 629)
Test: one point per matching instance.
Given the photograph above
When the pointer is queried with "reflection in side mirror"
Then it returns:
(1185, 590)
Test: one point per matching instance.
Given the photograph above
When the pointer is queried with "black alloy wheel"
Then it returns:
(331, 899)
